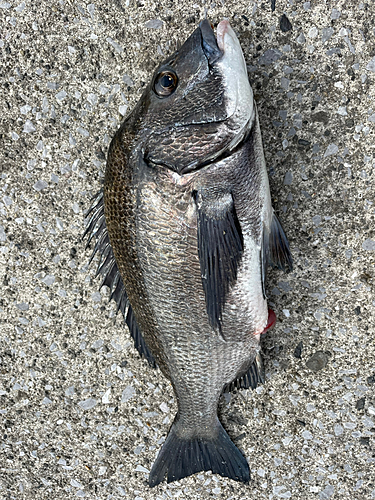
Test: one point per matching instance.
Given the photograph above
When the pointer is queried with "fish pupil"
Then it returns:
(166, 81)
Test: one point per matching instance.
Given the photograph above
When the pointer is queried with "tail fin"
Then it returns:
(181, 457)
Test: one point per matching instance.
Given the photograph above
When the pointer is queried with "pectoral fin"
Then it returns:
(220, 248)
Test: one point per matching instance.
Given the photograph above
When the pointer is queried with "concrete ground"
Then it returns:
(81, 415)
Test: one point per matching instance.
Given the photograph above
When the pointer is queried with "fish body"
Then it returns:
(185, 229)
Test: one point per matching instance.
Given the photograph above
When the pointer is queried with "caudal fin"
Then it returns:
(182, 457)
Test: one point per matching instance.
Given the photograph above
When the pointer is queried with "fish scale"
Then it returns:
(185, 230)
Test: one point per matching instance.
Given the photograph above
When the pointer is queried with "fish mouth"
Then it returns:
(215, 47)
(210, 45)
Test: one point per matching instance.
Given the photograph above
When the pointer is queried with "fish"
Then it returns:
(185, 230)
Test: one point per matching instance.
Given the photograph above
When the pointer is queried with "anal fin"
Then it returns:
(251, 379)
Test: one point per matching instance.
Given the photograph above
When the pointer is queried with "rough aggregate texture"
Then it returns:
(81, 415)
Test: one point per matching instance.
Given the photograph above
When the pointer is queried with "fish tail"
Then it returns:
(182, 456)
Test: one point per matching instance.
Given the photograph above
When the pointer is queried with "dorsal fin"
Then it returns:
(107, 267)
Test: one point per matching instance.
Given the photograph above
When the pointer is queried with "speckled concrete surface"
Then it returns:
(81, 415)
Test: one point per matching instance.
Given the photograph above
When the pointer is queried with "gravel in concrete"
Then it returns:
(81, 415)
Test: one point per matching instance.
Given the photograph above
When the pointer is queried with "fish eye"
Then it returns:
(165, 83)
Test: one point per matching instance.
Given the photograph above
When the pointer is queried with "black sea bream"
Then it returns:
(185, 231)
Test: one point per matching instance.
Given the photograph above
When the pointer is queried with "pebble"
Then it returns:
(284, 83)
(127, 394)
(96, 297)
(127, 80)
(92, 99)
(326, 34)
(327, 492)
(97, 344)
(88, 404)
(270, 56)
(288, 179)
(59, 224)
(313, 32)
(301, 39)
(164, 408)
(84, 132)
(60, 96)
(140, 468)
(360, 404)
(285, 24)
(307, 435)
(331, 150)
(29, 127)
(23, 306)
(317, 219)
(154, 24)
(3, 236)
(371, 65)
(115, 45)
(317, 361)
(369, 245)
(342, 111)
(49, 279)
(106, 397)
(69, 391)
(298, 350)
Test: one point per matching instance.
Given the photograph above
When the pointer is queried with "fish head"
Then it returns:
(199, 103)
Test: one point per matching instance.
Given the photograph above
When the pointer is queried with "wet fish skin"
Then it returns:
(188, 217)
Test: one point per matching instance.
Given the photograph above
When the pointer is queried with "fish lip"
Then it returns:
(222, 28)
(210, 46)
